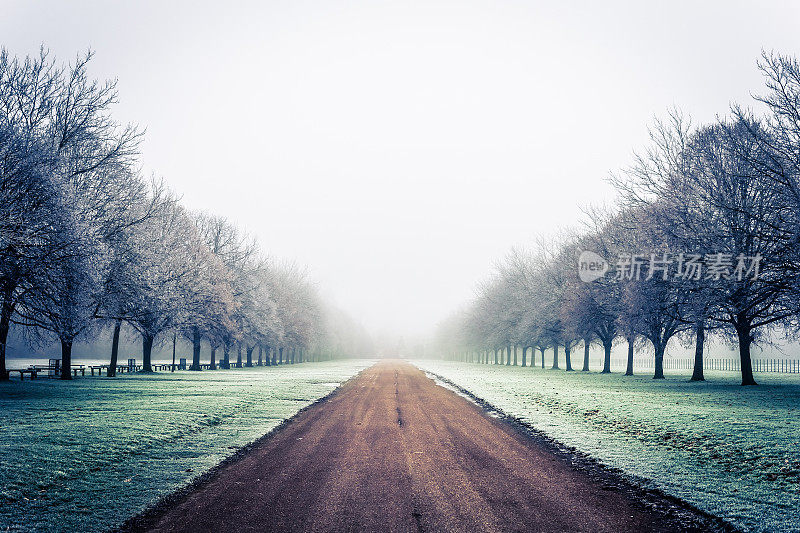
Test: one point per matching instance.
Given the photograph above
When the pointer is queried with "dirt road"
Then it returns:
(392, 451)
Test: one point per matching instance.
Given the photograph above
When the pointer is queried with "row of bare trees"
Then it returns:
(704, 241)
(86, 243)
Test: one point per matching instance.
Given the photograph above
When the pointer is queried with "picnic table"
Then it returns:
(120, 368)
(53, 371)
(157, 367)
(22, 371)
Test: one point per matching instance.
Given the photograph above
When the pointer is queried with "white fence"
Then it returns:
(786, 366)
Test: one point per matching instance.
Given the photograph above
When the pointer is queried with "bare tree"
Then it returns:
(715, 200)
(87, 158)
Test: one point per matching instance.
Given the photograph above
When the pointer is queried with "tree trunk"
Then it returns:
(274, 356)
(745, 339)
(66, 359)
(249, 350)
(515, 355)
(533, 356)
(226, 355)
(542, 352)
(700, 339)
(524, 355)
(607, 357)
(239, 355)
(195, 349)
(659, 372)
(147, 353)
(174, 347)
(260, 355)
(629, 368)
(555, 357)
(6, 310)
(213, 363)
(112, 367)
(495, 356)
(567, 356)
(293, 354)
(586, 345)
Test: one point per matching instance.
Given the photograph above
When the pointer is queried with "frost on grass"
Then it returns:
(728, 449)
(84, 455)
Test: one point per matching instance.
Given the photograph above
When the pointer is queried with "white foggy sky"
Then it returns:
(399, 148)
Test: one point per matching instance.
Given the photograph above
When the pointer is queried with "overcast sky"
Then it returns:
(399, 148)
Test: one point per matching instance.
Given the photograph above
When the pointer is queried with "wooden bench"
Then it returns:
(35, 370)
(126, 368)
(99, 369)
(22, 371)
(52, 372)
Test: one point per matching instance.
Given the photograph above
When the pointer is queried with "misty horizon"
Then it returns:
(400, 151)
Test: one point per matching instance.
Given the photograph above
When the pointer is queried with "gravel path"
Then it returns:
(393, 451)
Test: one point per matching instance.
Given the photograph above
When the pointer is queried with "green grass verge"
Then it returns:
(728, 449)
(86, 454)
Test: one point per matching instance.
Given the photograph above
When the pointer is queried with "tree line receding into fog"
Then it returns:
(704, 241)
(87, 243)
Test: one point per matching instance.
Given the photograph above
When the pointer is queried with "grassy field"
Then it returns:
(733, 451)
(85, 455)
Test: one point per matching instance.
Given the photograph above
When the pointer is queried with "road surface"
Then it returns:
(393, 451)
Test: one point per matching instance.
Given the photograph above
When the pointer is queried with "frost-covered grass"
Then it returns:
(86, 454)
(731, 450)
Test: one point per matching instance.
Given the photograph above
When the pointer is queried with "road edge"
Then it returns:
(148, 517)
(678, 514)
